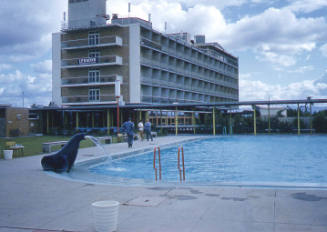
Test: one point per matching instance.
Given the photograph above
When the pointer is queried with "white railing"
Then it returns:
(86, 43)
(91, 61)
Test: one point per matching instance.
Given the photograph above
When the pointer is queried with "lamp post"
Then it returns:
(117, 95)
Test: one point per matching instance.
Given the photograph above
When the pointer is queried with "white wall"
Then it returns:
(56, 69)
(134, 63)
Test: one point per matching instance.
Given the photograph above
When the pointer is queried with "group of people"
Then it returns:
(128, 128)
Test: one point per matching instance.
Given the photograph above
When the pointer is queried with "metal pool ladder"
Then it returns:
(181, 149)
(154, 163)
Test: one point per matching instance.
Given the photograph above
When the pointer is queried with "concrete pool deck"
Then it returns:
(31, 200)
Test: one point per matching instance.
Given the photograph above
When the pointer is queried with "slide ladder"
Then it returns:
(181, 152)
(159, 162)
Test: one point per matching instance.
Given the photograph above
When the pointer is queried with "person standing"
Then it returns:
(147, 129)
(128, 128)
(141, 129)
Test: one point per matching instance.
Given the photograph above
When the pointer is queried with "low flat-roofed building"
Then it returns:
(14, 121)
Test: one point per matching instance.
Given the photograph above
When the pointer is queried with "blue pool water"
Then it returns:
(283, 159)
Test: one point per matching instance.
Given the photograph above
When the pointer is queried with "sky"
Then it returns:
(281, 44)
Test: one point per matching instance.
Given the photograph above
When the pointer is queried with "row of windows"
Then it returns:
(170, 61)
(165, 74)
(163, 41)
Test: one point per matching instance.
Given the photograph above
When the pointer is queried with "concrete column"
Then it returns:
(310, 118)
(254, 121)
(213, 121)
(140, 115)
(230, 124)
(87, 119)
(108, 122)
(298, 120)
(77, 120)
(147, 115)
(193, 122)
(48, 122)
(92, 119)
(176, 122)
(269, 126)
(63, 119)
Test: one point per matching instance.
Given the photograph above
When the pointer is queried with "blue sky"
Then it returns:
(281, 45)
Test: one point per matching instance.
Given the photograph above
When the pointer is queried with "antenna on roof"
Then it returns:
(63, 23)
(166, 27)
(129, 8)
(149, 17)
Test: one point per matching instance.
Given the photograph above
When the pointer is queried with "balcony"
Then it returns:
(86, 62)
(104, 41)
(84, 100)
(85, 81)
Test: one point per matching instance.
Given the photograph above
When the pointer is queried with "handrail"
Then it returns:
(178, 164)
(154, 163)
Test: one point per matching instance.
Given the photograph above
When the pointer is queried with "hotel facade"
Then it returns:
(90, 56)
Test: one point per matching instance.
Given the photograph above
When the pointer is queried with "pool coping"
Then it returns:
(119, 155)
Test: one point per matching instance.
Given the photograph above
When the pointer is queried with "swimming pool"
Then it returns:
(268, 160)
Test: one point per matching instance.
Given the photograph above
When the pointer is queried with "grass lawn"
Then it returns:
(33, 145)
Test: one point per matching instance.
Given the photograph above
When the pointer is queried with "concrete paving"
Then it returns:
(31, 200)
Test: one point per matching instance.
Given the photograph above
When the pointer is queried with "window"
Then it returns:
(94, 76)
(94, 53)
(76, 1)
(93, 38)
(94, 95)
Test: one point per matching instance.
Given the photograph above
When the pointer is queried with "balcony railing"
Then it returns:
(86, 43)
(85, 81)
(92, 61)
(186, 73)
(84, 99)
(160, 99)
(192, 88)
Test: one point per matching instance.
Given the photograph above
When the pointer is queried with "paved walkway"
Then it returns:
(31, 200)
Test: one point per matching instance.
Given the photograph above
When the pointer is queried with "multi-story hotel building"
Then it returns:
(89, 55)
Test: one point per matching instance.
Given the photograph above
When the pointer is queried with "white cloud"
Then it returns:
(221, 4)
(277, 59)
(306, 6)
(278, 36)
(4, 67)
(323, 50)
(259, 90)
(198, 19)
(37, 89)
(302, 69)
(43, 67)
(25, 28)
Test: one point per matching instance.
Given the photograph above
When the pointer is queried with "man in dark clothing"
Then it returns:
(147, 129)
(128, 127)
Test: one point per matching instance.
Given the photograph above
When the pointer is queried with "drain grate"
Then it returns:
(145, 201)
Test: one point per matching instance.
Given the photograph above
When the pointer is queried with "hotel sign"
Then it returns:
(89, 60)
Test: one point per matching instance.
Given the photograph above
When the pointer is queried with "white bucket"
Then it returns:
(8, 154)
(105, 214)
